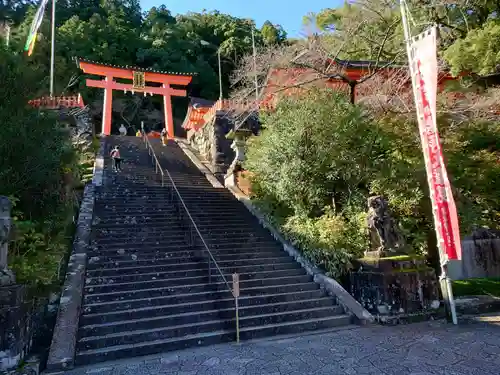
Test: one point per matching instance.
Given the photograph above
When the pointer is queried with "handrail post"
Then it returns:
(237, 312)
(236, 295)
(209, 270)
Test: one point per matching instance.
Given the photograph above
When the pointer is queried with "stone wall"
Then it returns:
(395, 289)
(62, 348)
(212, 144)
(15, 326)
(480, 258)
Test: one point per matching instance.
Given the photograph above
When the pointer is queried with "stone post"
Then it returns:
(6, 275)
(238, 146)
(15, 330)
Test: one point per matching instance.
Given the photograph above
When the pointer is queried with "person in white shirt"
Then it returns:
(123, 130)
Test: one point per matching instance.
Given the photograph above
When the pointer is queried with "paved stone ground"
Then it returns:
(416, 349)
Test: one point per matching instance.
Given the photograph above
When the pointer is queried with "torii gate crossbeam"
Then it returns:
(139, 77)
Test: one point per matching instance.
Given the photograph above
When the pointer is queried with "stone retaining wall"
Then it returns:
(211, 143)
(62, 349)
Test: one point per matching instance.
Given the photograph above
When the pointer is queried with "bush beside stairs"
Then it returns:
(148, 291)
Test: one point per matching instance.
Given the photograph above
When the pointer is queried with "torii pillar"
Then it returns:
(139, 79)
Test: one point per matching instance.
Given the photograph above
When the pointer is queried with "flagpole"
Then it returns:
(52, 52)
(445, 282)
(7, 39)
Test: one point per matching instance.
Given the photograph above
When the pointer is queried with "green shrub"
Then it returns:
(330, 241)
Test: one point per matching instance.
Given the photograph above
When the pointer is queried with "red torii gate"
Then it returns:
(139, 77)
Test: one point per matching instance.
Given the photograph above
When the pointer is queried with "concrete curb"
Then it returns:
(332, 287)
(99, 164)
(208, 174)
(63, 346)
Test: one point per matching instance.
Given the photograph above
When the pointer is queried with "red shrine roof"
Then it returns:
(363, 64)
(197, 110)
(78, 60)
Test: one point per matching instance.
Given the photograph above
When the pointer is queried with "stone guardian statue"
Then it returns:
(385, 237)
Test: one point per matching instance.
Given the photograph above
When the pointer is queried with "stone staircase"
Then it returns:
(148, 291)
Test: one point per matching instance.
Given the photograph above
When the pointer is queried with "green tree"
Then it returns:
(478, 52)
(313, 163)
(360, 30)
(36, 156)
(320, 158)
(272, 34)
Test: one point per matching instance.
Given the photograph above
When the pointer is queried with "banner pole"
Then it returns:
(445, 282)
(52, 52)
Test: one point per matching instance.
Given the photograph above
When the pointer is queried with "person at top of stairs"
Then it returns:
(163, 136)
(117, 160)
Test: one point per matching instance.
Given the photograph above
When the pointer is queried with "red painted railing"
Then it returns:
(56, 102)
(198, 118)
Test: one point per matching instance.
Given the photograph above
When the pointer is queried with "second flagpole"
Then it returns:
(52, 51)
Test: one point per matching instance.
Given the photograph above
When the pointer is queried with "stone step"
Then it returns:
(163, 220)
(134, 211)
(167, 224)
(186, 182)
(190, 270)
(200, 210)
(188, 263)
(97, 307)
(159, 254)
(87, 357)
(140, 259)
(112, 199)
(152, 237)
(141, 230)
(175, 293)
(203, 339)
(185, 324)
(143, 240)
(136, 335)
(169, 242)
(195, 311)
(170, 224)
(134, 190)
(183, 228)
(128, 248)
(220, 301)
(200, 283)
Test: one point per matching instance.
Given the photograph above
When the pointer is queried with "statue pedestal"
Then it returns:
(395, 288)
(15, 330)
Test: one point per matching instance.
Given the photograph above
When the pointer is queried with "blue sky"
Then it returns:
(287, 13)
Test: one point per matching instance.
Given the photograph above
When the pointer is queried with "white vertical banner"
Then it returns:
(424, 72)
(422, 58)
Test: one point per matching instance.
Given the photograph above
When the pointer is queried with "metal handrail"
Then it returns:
(154, 159)
(235, 290)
